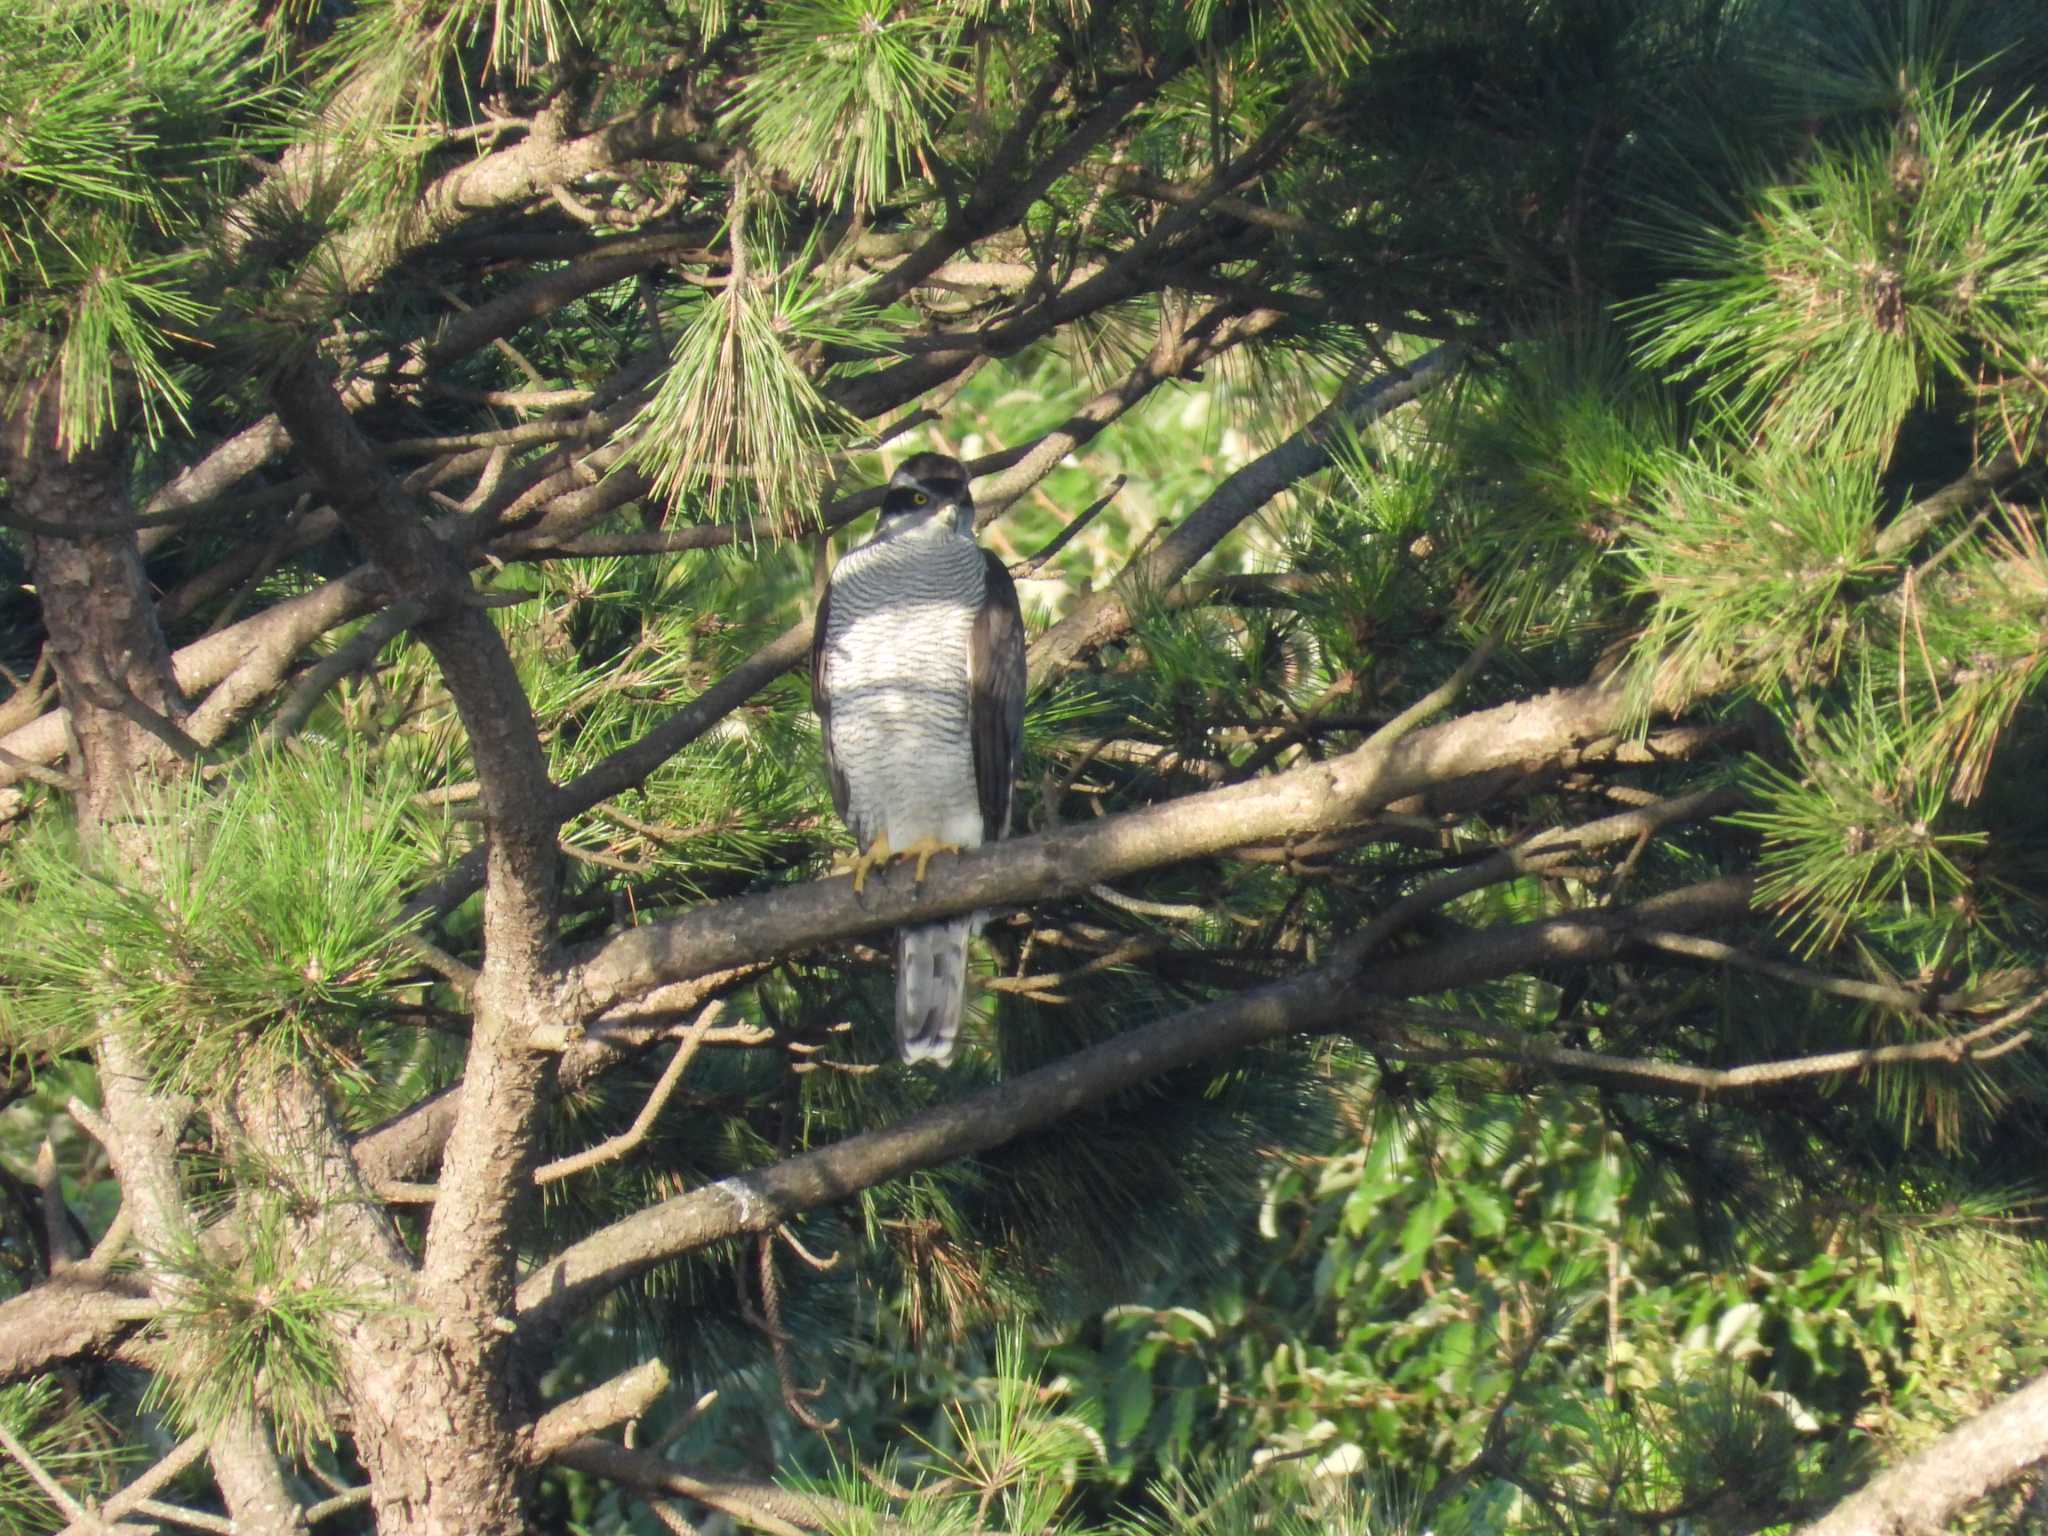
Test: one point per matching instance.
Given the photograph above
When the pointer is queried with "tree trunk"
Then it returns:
(433, 1421)
(114, 671)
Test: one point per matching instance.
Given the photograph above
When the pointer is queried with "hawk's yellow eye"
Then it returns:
(920, 499)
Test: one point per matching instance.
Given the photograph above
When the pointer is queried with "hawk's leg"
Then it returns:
(868, 859)
(924, 850)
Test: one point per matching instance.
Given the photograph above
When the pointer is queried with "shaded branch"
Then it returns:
(618, 1146)
(1419, 1034)
(1326, 998)
(1714, 952)
(1105, 614)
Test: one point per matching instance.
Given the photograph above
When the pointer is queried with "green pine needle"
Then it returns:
(119, 121)
(737, 420)
(1748, 571)
(844, 98)
(1852, 837)
(253, 1338)
(267, 925)
(68, 1440)
(1881, 269)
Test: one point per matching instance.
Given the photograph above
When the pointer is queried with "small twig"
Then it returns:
(617, 1146)
(607, 860)
(449, 794)
(459, 974)
(109, 1247)
(1439, 698)
(1714, 952)
(1534, 856)
(183, 1455)
(1039, 987)
(1304, 726)
(274, 550)
(92, 1123)
(512, 399)
(1678, 1079)
(638, 1469)
(795, 1398)
(684, 1420)
(1171, 911)
(1066, 535)
(517, 358)
(804, 1253)
(901, 1494)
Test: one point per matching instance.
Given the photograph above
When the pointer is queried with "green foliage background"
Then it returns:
(1746, 283)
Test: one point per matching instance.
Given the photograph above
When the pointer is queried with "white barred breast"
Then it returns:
(896, 650)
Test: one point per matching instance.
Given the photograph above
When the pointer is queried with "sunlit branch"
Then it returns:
(624, 1397)
(1326, 998)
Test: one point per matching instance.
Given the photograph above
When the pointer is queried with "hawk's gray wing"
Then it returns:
(821, 701)
(995, 667)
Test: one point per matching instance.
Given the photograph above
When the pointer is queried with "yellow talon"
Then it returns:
(864, 862)
(924, 850)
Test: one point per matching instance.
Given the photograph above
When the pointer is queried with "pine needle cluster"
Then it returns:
(261, 922)
(1903, 261)
(737, 421)
(846, 93)
(252, 1336)
(121, 123)
(66, 1439)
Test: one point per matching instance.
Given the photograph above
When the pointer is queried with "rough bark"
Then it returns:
(109, 656)
(1920, 1495)
(1321, 999)
(407, 1381)
(114, 674)
(464, 1416)
(1568, 723)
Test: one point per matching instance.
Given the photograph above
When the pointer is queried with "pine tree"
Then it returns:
(1531, 522)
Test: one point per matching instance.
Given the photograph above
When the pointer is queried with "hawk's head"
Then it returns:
(925, 486)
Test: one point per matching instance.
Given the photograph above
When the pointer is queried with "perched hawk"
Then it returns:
(917, 674)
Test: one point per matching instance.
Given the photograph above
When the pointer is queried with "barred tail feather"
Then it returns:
(931, 987)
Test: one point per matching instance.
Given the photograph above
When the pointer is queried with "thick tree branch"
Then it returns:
(622, 1398)
(1979, 1456)
(504, 178)
(1322, 999)
(1336, 793)
(76, 1315)
(280, 631)
(466, 1273)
